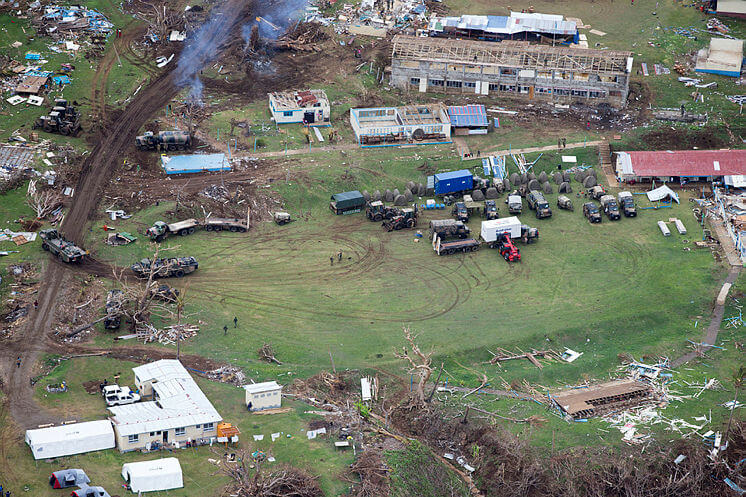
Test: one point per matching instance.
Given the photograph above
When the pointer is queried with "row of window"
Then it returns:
(270, 394)
(512, 88)
(177, 432)
(512, 71)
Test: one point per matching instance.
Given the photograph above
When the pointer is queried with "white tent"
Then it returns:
(66, 440)
(149, 476)
(662, 192)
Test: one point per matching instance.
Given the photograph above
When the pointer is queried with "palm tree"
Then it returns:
(738, 380)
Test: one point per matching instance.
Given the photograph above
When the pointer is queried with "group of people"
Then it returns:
(561, 142)
(7, 492)
(331, 262)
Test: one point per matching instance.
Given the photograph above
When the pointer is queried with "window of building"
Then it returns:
(437, 65)
(543, 91)
(288, 113)
(453, 84)
(470, 84)
(436, 82)
(579, 93)
(179, 431)
(457, 68)
(596, 94)
(152, 433)
(561, 91)
(414, 81)
(507, 71)
(524, 89)
(208, 426)
(507, 87)
(133, 438)
(494, 86)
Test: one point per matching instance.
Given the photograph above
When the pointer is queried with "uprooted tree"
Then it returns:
(284, 481)
(267, 353)
(42, 201)
(420, 364)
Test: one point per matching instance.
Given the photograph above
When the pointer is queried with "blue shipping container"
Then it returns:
(455, 181)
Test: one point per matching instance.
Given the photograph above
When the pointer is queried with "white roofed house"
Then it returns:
(309, 106)
(178, 414)
(260, 396)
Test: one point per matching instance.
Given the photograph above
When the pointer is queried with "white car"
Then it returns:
(119, 396)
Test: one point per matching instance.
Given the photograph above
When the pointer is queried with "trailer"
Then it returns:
(234, 225)
(447, 228)
(491, 229)
(160, 230)
(447, 248)
(453, 182)
(347, 202)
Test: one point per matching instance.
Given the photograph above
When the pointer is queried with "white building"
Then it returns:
(260, 396)
(152, 476)
(178, 413)
(309, 106)
(74, 438)
(375, 127)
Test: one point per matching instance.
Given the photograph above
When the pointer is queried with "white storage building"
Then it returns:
(509, 225)
(260, 396)
(155, 475)
(67, 440)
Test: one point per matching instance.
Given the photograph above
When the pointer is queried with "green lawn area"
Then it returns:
(317, 456)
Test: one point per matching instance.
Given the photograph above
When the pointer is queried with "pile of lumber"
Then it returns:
(302, 37)
(167, 336)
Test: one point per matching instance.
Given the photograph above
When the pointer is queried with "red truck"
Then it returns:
(507, 249)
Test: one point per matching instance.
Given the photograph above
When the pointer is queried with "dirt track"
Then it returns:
(96, 172)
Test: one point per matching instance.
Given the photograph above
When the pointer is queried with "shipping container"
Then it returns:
(347, 202)
(509, 225)
(453, 182)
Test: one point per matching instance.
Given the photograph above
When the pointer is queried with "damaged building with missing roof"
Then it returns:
(390, 126)
(513, 69)
(310, 107)
(595, 400)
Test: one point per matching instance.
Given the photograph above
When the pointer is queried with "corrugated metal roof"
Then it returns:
(180, 402)
(468, 115)
(518, 22)
(452, 175)
(688, 162)
(267, 386)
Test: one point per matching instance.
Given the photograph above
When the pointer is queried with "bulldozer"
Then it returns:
(407, 219)
(63, 119)
(376, 211)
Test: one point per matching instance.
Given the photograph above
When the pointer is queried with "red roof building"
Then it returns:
(667, 164)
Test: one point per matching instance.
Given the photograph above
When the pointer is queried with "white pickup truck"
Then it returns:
(119, 396)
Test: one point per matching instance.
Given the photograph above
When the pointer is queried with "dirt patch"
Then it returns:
(92, 387)
(670, 138)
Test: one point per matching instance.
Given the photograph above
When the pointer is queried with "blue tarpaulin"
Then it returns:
(195, 163)
(33, 56)
(61, 80)
(467, 116)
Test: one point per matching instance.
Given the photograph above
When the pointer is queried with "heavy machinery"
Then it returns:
(449, 228)
(564, 202)
(515, 204)
(611, 208)
(160, 230)
(627, 203)
(460, 212)
(114, 301)
(406, 219)
(377, 211)
(538, 203)
(490, 210)
(596, 192)
(62, 119)
(347, 202)
(165, 268)
(164, 140)
(507, 249)
(56, 244)
(282, 218)
(590, 211)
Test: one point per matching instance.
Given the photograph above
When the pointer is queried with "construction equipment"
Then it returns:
(538, 203)
(529, 234)
(596, 192)
(460, 212)
(282, 218)
(628, 204)
(63, 119)
(160, 229)
(165, 268)
(407, 219)
(507, 249)
(449, 228)
(564, 202)
(490, 210)
(347, 202)
(114, 301)
(376, 211)
(56, 244)
(164, 140)
(446, 248)
(515, 204)
(611, 208)
(590, 211)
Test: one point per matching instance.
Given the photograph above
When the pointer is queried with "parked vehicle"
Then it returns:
(114, 395)
(608, 202)
(53, 242)
(538, 203)
(164, 140)
(596, 192)
(407, 219)
(453, 182)
(564, 202)
(627, 202)
(515, 204)
(449, 228)
(591, 212)
(529, 234)
(451, 247)
(377, 211)
(234, 225)
(507, 249)
(282, 218)
(347, 202)
(460, 212)
(164, 292)
(160, 230)
(490, 210)
(114, 301)
(165, 268)
(63, 119)
(491, 230)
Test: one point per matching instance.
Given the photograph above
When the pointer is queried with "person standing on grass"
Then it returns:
(225, 330)
(340, 256)
(331, 260)
(18, 362)
(235, 322)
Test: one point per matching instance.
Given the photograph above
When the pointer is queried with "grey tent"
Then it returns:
(66, 478)
(86, 491)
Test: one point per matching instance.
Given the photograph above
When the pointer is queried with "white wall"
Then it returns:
(264, 400)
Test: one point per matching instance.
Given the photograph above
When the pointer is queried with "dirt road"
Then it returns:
(96, 172)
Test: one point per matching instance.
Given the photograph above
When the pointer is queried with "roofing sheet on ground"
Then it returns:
(468, 115)
(195, 163)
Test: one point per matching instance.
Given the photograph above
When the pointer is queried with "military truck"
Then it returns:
(564, 202)
(460, 212)
(164, 140)
(114, 301)
(538, 203)
(232, 224)
(376, 211)
(515, 204)
(591, 212)
(56, 244)
(165, 268)
(160, 230)
(63, 119)
(407, 219)
(449, 228)
(596, 192)
(627, 203)
(611, 208)
(529, 234)
(490, 210)
(347, 202)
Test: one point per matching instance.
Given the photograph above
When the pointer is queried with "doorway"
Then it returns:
(165, 436)
(309, 117)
